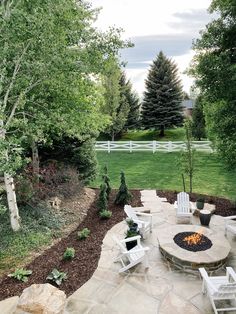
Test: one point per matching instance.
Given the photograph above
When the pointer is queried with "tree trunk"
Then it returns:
(162, 131)
(35, 163)
(12, 204)
(11, 194)
(113, 136)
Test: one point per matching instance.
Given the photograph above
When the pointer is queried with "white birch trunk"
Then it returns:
(11, 194)
(12, 204)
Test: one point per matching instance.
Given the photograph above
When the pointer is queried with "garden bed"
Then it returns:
(87, 252)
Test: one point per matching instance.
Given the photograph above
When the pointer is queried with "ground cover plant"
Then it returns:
(21, 274)
(145, 170)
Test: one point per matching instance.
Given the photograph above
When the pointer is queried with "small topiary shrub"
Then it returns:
(83, 234)
(57, 276)
(123, 196)
(21, 274)
(102, 199)
(107, 180)
(105, 214)
(69, 253)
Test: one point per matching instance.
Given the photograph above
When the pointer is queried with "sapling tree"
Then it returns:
(123, 196)
(107, 180)
(188, 155)
(102, 199)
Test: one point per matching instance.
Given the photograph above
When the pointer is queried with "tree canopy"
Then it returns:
(214, 70)
(161, 107)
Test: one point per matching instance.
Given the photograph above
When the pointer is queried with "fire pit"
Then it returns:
(187, 247)
(192, 241)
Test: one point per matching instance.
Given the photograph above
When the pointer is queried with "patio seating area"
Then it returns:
(161, 288)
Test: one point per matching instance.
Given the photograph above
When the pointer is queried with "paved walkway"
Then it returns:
(159, 289)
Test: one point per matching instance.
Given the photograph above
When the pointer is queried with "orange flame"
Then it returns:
(194, 238)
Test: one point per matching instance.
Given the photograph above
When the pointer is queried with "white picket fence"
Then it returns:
(154, 146)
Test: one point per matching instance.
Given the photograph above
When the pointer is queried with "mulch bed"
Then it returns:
(87, 253)
(81, 268)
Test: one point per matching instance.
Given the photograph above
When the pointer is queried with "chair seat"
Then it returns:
(134, 256)
(231, 227)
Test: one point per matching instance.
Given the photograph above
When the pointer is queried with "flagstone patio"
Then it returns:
(159, 289)
(162, 288)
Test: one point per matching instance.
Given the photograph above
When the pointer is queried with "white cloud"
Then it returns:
(155, 25)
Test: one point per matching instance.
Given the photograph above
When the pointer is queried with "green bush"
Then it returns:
(107, 180)
(83, 234)
(131, 233)
(69, 253)
(105, 214)
(123, 196)
(102, 199)
(21, 274)
(57, 276)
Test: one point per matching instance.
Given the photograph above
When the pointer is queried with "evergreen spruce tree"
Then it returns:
(102, 199)
(161, 106)
(132, 100)
(123, 196)
(107, 180)
(198, 124)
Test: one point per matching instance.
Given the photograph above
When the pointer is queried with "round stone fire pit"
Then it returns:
(212, 257)
(192, 241)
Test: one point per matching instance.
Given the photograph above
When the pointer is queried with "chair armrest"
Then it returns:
(143, 214)
(206, 278)
(192, 206)
(137, 221)
(230, 217)
(231, 272)
(138, 237)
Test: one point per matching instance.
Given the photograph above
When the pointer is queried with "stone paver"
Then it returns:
(160, 289)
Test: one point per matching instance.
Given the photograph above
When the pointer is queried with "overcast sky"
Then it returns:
(154, 25)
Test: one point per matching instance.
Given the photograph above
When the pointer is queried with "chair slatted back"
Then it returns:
(183, 202)
(227, 288)
(130, 212)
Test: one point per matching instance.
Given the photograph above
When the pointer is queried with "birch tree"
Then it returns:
(50, 54)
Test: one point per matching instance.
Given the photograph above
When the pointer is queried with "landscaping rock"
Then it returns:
(41, 299)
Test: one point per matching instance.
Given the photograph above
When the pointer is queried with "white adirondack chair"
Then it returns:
(230, 224)
(183, 206)
(143, 220)
(132, 257)
(220, 288)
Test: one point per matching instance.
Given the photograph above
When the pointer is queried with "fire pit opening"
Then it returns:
(192, 241)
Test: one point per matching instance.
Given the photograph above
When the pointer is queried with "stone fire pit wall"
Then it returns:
(211, 259)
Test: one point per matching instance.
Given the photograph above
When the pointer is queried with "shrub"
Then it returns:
(123, 196)
(129, 222)
(69, 253)
(83, 234)
(107, 180)
(102, 199)
(105, 214)
(57, 276)
(131, 233)
(21, 274)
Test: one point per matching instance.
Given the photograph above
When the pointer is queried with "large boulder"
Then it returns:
(41, 299)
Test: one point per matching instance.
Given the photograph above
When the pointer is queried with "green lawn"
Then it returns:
(161, 171)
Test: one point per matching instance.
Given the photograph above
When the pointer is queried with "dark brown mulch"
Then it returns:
(88, 251)
(223, 206)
